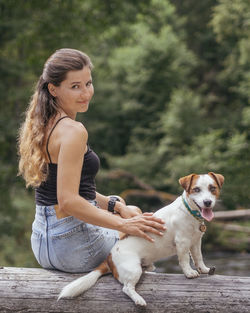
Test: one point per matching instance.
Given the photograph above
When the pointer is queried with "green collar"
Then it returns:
(196, 214)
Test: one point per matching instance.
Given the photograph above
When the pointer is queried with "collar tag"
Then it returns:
(203, 228)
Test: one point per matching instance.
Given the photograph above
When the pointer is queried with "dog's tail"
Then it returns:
(78, 286)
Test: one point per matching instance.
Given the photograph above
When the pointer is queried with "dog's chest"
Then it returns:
(179, 223)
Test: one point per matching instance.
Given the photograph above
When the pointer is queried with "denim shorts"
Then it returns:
(69, 244)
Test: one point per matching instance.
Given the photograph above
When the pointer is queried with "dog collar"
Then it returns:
(196, 214)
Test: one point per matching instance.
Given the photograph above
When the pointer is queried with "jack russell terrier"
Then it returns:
(184, 220)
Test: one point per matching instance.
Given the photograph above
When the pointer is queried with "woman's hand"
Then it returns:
(142, 224)
(127, 211)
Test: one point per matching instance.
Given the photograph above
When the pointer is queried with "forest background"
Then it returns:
(172, 97)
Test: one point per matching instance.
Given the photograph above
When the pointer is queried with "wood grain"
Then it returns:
(36, 290)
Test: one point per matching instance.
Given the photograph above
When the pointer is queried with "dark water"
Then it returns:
(226, 264)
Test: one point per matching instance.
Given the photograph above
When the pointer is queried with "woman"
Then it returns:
(74, 228)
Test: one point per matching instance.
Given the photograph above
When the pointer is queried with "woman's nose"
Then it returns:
(83, 89)
(84, 92)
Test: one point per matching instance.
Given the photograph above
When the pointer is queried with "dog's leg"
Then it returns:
(127, 270)
(197, 257)
(182, 247)
(129, 273)
(129, 289)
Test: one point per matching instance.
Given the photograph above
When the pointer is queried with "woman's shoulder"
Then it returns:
(73, 125)
(70, 128)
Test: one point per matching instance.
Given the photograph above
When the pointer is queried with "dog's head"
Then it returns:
(203, 191)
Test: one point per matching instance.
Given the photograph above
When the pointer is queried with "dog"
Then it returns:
(184, 220)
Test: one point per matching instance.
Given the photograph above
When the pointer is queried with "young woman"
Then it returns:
(74, 228)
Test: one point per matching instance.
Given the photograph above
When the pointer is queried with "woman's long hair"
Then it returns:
(42, 108)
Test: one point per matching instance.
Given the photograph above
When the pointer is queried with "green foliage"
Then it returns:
(16, 230)
(189, 125)
(231, 24)
(153, 63)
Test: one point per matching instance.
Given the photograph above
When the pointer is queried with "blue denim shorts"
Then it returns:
(69, 244)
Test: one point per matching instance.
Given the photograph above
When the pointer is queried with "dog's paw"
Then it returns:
(203, 270)
(130, 291)
(140, 302)
(192, 274)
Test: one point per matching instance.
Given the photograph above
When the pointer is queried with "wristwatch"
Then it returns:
(111, 203)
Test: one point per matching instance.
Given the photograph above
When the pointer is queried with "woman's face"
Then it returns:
(75, 92)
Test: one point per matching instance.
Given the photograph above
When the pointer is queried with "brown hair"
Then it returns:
(43, 107)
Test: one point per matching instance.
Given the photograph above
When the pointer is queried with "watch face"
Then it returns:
(111, 205)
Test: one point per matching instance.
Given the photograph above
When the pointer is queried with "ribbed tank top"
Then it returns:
(46, 193)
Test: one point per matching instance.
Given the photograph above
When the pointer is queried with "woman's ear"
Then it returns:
(52, 89)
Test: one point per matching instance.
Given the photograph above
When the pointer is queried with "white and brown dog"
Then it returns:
(184, 220)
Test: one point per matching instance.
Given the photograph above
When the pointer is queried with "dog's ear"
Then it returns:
(186, 181)
(219, 179)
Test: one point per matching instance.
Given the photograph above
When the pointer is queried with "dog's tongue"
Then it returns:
(207, 214)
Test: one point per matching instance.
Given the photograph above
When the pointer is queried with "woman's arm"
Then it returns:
(103, 200)
(125, 211)
(70, 159)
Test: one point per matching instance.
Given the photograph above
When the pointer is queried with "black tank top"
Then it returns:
(46, 193)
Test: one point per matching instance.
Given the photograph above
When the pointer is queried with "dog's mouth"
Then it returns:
(206, 213)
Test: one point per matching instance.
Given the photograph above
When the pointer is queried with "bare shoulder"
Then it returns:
(73, 130)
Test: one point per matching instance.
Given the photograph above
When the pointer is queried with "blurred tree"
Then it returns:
(223, 144)
(174, 125)
(144, 71)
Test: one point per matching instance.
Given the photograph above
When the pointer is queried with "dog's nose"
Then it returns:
(207, 203)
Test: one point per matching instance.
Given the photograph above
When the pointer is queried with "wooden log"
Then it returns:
(36, 290)
(232, 215)
(163, 196)
(234, 227)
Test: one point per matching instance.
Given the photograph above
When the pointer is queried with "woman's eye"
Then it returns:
(75, 86)
(196, 189)
(89, 83)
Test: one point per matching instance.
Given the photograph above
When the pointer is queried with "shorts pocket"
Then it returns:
(70, 252)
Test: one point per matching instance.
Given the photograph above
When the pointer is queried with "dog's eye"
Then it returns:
(212, 189)
(196, 189)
